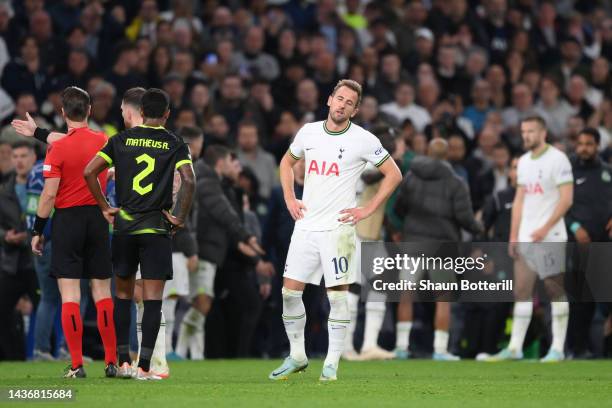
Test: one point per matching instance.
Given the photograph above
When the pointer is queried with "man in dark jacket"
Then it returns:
(434, 204)
(218, 224)
(588, 220)
(240, 283)
(17, 277)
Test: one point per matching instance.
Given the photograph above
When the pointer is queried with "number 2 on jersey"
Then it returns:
(150, 162)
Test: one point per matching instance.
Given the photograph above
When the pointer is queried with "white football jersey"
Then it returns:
(334, 162)
(541, 177)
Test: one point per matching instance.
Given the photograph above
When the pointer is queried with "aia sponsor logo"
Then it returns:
(534, 188)
(323, 168)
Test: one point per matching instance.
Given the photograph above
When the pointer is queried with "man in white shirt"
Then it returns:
(323, 243)
(404, 108)
(537, 236)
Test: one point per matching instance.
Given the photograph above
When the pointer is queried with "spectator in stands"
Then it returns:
(556, 108)
(145, 23)
(308, 108)
(577, 88)
(522, 107)
(428, 93)
(159, 65)
(252, 155)
(17, 277)
(403, 107)
(451, 78)
(53, 50)
(26, 74)
(79, 67)
(389, 78)
(252, 61)
(481, 104)
(423, 50)
(200, 101)
(233, 104)
(123, 76)
(571, 60)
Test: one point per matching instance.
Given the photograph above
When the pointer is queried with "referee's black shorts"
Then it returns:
(81, 246)
(153, 252)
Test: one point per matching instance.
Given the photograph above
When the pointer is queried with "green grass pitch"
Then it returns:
(418, 383)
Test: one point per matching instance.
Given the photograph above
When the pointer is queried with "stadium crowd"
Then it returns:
(246, 75)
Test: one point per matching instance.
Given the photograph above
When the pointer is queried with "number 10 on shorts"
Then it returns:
(340, 266)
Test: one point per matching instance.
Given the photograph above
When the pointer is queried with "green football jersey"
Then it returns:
(145, 159)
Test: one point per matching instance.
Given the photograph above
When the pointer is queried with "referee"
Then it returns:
(80, 238)
(145, 158)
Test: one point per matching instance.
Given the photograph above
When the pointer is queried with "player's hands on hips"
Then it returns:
(539, 234)
(582, 236)
(353, 215)
(38, 242)
(175, 223)
(296, 208)
(109, 214)
(24, 127)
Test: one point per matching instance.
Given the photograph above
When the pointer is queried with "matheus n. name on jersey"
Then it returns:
(334, 162)
(145, 159)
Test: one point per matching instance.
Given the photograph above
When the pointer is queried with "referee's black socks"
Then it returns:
(151, 319)
(123, 317)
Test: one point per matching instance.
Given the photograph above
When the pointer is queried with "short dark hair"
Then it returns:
(76, 103)
(215, 153)
(535, 118)
(133, 96)
(594, 133)
(190, 133)
(155, 103)
(21, 144)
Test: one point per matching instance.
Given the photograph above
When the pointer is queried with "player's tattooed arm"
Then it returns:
(28, 128)
(185, 196)
(93, 169)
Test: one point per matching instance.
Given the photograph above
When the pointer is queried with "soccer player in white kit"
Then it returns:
(323, 243)
(537, 236)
